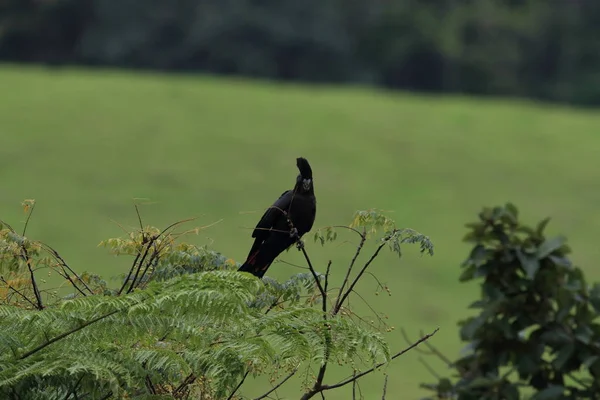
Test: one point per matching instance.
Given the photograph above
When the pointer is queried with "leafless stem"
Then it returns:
(138, 268)
(321, 388)
(74, 390)
(18, 292)
(432, 349)
(67, 333)
(137, 211)
(61, 261)
(239, 385)
(363, 238)
(274, 388)
(36, 290)
(28, 217)
(384, 387)
(314, 273)
(191, 378)
(357, 278)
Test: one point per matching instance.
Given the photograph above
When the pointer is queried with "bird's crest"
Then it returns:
(304, 167)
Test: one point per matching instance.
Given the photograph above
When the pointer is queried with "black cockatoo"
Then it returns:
(274, 233)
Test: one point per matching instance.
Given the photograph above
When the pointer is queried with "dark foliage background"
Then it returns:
(528, 48)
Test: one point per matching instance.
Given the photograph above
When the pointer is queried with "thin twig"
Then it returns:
(324, 295)
(321, 375)
(363, 238)
(357, 278)
(384, 387)
(68, 333)
(360, 375)
(137, 211)
(149, 243)
(314, 273)
(355, 376)
(239, 385)
(137, 257)
(284, 380)
(28, 217)
(64, 264)
(18, 292)
(36, 290)
(186, 382)
(74, 390)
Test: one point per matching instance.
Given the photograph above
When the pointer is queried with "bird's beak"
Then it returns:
(306, 184)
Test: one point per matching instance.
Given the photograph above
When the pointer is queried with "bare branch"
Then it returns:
(18, 292)
(239, 385)
(284, 380)
(61, 261)
(357, 278)
(191, 378)
(137, 211)
(363, 238)
(321, 388)
(67, 333)
(314, 273)
(28, 218)
(36, 290)
(384, 387)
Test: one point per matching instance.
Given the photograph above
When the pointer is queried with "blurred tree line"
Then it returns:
(531, 48)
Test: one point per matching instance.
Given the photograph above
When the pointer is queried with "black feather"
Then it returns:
(304, 167)
(272, 235)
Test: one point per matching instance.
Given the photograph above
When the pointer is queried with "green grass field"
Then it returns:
(84, 144)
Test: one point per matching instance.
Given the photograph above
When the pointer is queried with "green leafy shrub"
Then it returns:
(182, 323)
(537, 331)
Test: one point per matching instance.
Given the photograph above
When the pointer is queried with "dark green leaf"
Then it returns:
(445, 385)
(530, 263)
(589, 361)
(481, 382)
(468, 330)
(564, 355)
(467, 274)
(550, 393)
(561, 261)
(527, 364)
(511, 208)
(584, 334)
(510, 392)
(595, 297)
(550, 245)
(542, 225)
(555, 337)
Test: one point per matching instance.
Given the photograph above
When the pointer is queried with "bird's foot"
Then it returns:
(300, 244)
(294, 233)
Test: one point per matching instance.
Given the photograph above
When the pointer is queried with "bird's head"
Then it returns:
(304, 181)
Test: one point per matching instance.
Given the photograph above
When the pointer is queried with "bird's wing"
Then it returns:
(273, 213)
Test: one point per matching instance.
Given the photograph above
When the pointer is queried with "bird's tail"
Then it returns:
(251, 266)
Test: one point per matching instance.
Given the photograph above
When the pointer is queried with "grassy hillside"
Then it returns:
(84, 144)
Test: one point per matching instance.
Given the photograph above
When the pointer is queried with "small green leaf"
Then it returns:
(542, 225)
(595, 297)
(550, 245)
(510, 207)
